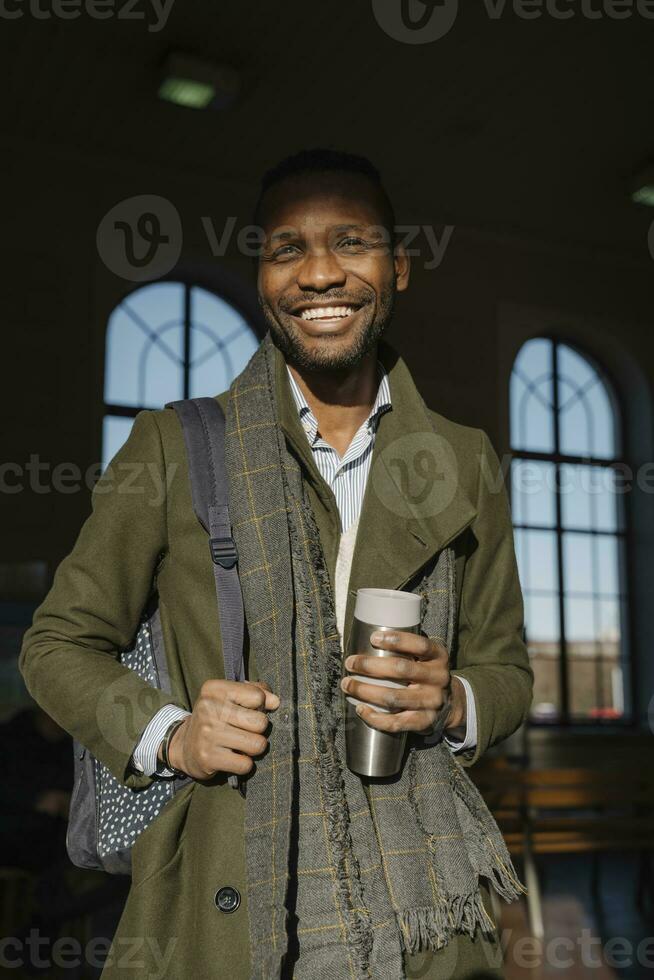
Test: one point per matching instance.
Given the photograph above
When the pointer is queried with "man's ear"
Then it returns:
(402, 263)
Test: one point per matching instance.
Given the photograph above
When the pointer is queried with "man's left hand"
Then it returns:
(413, 708)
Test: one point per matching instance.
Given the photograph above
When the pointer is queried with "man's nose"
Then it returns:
(320, 271)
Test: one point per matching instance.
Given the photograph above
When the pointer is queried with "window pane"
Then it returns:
(531, 398)
(221, 343)
(581, 627)
(575, 424)
(609, 626)
(533, 486)
(594, 670)
(608, 567)
(161, 368)
(612, 701)
(586, 423)
(583, 651)
(543, 644)
(542, 618)
(596, 688)
(589, 498)
(617, 688)
(578, 565)
(574, 377)
(144, 347)
(609, 503)
(584, 682)
(592, 625)
(115, 429)
(604, 443)
(537, 563)
(590, 563)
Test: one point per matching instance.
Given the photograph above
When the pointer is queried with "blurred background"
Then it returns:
(515, 140)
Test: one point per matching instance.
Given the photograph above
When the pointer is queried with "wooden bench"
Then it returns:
(570, 811)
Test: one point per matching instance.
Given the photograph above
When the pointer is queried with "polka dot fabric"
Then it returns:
(124, 813)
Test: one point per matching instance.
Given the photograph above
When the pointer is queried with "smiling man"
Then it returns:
(328, 277)
(340, 477)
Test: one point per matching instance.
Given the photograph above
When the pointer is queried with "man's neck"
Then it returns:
(340, 401)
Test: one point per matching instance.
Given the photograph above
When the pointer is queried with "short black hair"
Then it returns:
(320, 161)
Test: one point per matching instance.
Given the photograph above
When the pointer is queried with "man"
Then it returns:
(331, 453)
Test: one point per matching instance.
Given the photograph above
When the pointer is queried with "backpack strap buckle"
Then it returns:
(223, 551)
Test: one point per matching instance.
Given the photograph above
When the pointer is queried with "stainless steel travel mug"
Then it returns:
(370, 752)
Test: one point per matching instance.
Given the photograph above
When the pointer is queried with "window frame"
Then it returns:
(189, 283)
(623, 534)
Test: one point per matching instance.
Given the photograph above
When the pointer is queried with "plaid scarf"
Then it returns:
(381, 869)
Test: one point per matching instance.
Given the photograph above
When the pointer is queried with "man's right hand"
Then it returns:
(225, 730)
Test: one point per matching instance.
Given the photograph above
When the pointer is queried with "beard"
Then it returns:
(332, 354)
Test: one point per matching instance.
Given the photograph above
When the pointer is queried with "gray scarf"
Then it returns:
(380, 870)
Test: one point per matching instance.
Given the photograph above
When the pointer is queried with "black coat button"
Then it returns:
(227, 899)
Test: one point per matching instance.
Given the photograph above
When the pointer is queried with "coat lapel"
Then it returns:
(414, 504)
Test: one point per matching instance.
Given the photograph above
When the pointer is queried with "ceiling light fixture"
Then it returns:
(197, 84)
(642, 187)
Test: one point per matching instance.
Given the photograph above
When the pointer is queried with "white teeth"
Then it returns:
(326, 312)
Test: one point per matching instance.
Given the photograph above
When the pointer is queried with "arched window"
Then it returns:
(568, 501)
(165, 341)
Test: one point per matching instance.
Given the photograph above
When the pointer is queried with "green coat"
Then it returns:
(170, 922)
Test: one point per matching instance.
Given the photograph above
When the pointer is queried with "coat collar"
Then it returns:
(403, 522)
(308, 419)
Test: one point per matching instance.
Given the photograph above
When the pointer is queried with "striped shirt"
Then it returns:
(347, 475)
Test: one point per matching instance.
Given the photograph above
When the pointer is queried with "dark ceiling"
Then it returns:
(504, 124)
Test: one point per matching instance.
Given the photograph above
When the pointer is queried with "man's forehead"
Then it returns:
(321, 201)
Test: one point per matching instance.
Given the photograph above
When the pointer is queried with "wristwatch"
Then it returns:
(436, 734)
(170, 731)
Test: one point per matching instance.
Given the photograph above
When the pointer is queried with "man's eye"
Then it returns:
(285, 251)
(352, 242)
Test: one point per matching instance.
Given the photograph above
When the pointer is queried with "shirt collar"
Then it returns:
(309, 421)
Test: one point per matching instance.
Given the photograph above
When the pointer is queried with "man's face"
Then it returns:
(327, 273)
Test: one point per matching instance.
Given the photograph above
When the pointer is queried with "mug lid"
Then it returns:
(387, 607)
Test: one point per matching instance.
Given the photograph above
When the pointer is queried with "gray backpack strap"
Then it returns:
(203, 426)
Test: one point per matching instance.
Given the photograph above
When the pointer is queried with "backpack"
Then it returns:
(106, 816)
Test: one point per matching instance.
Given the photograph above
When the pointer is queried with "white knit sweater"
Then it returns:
(342, 574)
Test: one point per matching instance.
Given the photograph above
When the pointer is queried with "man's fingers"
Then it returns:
(272, 700)
(399, 669)
(232, 762)
(245, 718)
(416, 697)
(402, 721)
(412, 643)
(245, 693)
(228, 728)
(250, 743)
(254, 694)
(262, 684)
